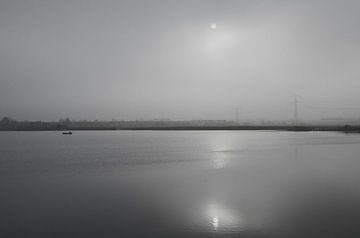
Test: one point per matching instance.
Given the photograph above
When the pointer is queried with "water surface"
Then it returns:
(179, 184)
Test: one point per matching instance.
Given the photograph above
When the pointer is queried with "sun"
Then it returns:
(213, 26)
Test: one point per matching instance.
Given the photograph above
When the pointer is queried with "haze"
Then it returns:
(162, 59)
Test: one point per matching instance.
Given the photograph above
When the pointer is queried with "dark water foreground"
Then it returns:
(179, 184)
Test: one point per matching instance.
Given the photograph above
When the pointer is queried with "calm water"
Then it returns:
(179, 184)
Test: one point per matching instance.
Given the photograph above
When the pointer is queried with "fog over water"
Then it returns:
(149, 59)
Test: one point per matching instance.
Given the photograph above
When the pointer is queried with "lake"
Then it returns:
(179, 184)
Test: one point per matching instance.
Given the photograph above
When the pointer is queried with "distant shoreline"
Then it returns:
(346, 128)
(9, 124)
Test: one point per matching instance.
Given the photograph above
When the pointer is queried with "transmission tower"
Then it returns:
(237, 113)
(296, 110)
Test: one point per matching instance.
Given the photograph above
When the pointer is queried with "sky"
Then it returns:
(146, 59)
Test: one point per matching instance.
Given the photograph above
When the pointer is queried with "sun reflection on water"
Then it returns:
(221, 218)
(215, 222)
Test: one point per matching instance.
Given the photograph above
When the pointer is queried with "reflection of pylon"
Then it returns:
(296, 111)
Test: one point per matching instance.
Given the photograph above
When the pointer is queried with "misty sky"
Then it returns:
(129, 59)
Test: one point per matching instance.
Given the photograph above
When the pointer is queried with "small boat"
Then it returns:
(67, 133)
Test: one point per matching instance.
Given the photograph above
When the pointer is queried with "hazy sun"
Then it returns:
(213, 26)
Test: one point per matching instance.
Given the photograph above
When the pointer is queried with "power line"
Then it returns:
(333, 108)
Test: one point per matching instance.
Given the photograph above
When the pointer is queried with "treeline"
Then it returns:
(9, 124)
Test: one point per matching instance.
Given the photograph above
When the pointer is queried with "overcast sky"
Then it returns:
(129, 59)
